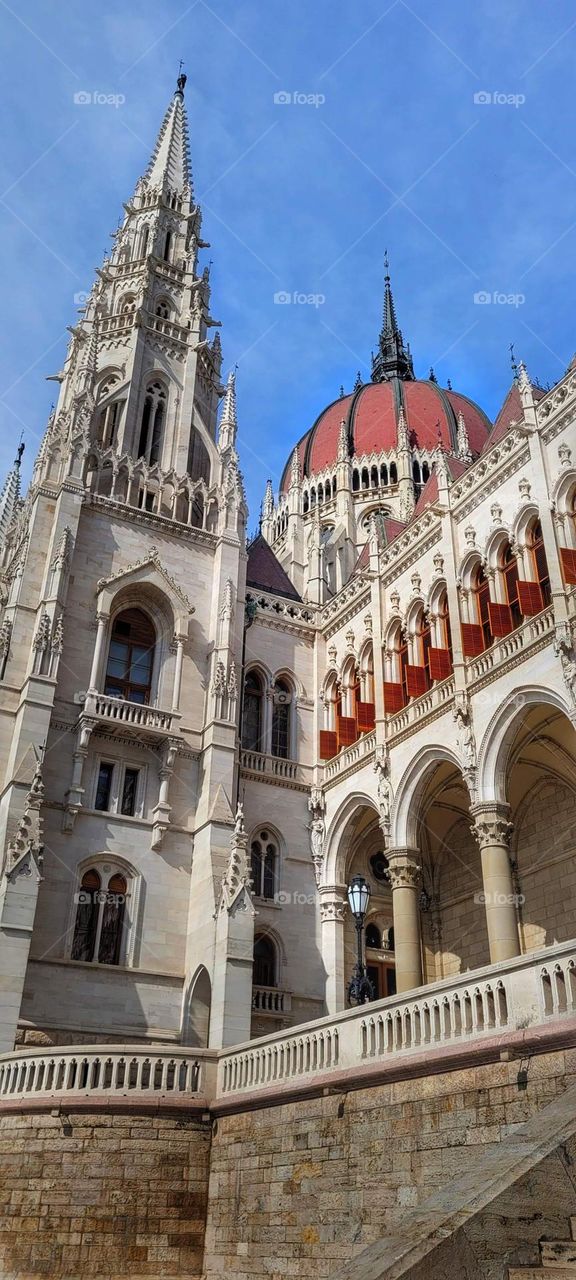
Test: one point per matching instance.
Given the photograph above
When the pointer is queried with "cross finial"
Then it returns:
(513, 360)
(386, 262)
(181, 81)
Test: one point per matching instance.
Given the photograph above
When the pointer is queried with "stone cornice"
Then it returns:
(149, 520)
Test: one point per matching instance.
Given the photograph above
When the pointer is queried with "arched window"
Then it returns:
(264, 859)
(252, 717)
(355, 481)
(509, 569)
(422, 644)
(281, 712)
(444, 632)
(100, 917)
(425, 472)
(306, 503)
(480, 597)
(539, 562)
(163, 311)
(320, 493)
(373, 936)
(108, 424)
(393, 473)
(365, 478)
(384, 474)
(127, 305)
(152, 423)
(168, 246)
(264, 972)
(131, 657)
(143, 242)
(374, 477)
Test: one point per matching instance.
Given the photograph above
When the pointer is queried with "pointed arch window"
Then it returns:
(481, 607)
(540, 574)
(108, 423)
(264, 865)
(131, 657)
(100, 917)
(264, 973)
(143, 242)
(281, 719)
(509, 567)
(152, 426)
(168, 247)
(252, 713)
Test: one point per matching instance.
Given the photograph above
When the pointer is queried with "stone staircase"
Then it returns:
(557, 1260)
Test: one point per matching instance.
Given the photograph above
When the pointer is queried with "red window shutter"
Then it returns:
(416, 681)
(328, 744)
(365, 716)
(500, 619)
(440, 664)
(529, 597)
(472, 639)
(393, 697)
(568, 558)
(347, 732)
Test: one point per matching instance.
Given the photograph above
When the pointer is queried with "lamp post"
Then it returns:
(360, 989)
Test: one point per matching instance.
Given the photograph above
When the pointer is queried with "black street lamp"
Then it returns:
(360, 989)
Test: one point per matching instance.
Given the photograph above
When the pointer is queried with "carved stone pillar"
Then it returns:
(405, 874)
(332, 914)
(492, 828)
(179, 642)
(74, 797)
(98, 651)
(162, 811)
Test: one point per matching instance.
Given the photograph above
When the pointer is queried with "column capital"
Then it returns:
(333, 902)
(404, 869)
(491, 823)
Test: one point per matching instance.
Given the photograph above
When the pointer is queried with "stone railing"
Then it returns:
(521, 993)
(273, 766)
(271, 1000)
(528, 992)
(109, 1070)
(520, 641)
(134, 715)
(349, 757)
(168, 328)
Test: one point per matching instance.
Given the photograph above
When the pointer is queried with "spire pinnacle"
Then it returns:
(393, 359)
(229, 420)
(10, 496)
(268, 504)
(169, 165)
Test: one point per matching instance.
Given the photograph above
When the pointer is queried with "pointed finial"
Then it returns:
(513, 362)
(462, 442)
(295, 470)
(181, 81)
(448, 384)
(341, 391)
(343, 442)
(20, 451)
(268, 503)
(432, 376)
(386, 265)
(402, 430)
(228, 422)
(358, 383)
(393, 359)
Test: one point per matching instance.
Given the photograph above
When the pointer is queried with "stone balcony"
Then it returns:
(130, 719)
(271, 1000)
(274, 768)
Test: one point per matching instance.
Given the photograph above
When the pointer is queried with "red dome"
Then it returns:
(371, 416)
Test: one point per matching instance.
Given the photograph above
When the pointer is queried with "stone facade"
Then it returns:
(202, 741)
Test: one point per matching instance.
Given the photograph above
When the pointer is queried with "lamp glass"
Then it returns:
(358, 896)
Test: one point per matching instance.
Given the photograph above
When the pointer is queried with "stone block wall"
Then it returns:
(102, 1193)
(297, 1190)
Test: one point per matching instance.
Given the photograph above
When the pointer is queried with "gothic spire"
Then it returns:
(393, 359)
(10, 495)
(228, 421)
(169, 165)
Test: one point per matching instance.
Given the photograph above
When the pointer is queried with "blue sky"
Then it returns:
(468, 196)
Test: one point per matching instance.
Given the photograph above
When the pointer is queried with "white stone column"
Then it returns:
(98, 655)
(332, 914)
(405, 875)
(492, 828)
(178, 672)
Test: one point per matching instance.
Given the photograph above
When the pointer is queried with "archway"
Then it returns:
(354, 845)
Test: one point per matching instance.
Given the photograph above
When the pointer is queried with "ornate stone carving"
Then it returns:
(232, 682)
(5, 637)
(403, 870)
(491, 824)
(219, 681)
(438, 564)
(385, 792)
(317, 830)
(466, 741)
(368, 623)
(333, 907)
(237, 878)
(27, 842)
(227, 606)
(565, 650)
